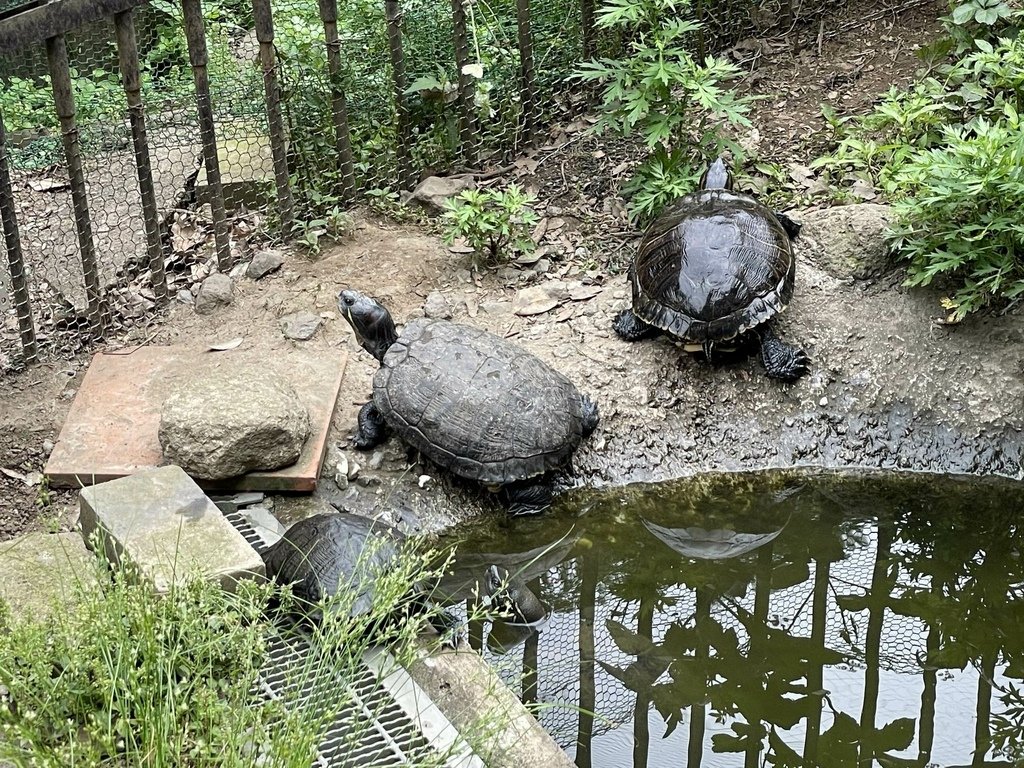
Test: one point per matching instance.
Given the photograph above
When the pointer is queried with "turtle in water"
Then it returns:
(474, 403)
(509, 595)
(323, 554)
(716, 266)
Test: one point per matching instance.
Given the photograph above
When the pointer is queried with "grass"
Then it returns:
(132, 677)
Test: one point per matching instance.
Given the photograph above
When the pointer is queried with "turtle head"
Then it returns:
(370, 321)
(717, 176)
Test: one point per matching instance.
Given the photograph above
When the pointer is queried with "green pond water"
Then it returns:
(773, 618)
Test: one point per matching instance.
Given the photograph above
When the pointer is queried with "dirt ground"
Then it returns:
(889, 386)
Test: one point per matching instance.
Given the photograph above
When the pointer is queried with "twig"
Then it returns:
(484, 175)
(146, 341)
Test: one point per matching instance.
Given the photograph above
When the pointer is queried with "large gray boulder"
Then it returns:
(231, 422)
(847, 240)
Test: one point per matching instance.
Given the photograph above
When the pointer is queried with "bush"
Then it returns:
(959, 214)
(495, 223)
(662, 92)
(947, 153)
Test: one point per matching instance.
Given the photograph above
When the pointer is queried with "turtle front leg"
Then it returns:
(373, 430)
(528, 499)
(781, 360)
(791, 227)
(631, 328)
(591, 415)
(451, 630)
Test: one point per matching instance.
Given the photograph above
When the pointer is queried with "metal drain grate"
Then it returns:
(387, 720)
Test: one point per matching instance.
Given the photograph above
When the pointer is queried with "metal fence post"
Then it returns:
(393, 14)
(195, 33)
(339, 106)
(526, 69)
(64, 101)
(263, 21)
(128, 55)
(469, 128)
(12, 240)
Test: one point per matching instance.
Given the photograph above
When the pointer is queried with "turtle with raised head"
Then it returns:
(713, 270)
(478, 405)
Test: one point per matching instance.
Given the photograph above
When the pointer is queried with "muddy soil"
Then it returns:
(890, 387)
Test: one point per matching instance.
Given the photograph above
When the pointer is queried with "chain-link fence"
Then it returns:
(150, 143)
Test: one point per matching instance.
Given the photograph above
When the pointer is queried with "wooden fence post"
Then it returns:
(469, 127)
(64, 101)
(526, 70)
(195, 34)
(15, 262)
(263, 22)
(128, 56)
(393, 15)
(339, 106)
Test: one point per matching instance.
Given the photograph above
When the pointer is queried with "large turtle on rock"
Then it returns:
(713, 270)
(472, 402)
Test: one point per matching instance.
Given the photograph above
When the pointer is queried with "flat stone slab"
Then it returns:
(44, 572)
(163, 523)
(112, 428)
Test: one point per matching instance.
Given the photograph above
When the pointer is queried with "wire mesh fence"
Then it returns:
(149, 144)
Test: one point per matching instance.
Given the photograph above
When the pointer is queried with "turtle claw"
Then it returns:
(373, 430)
(528, 499)
(630, 327)
(782, 361)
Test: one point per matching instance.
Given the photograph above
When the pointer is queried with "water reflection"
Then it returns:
(782, 619)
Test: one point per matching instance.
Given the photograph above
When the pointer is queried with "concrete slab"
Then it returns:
(164, 524)
(486, 711)
(112, 428)
(44, 572)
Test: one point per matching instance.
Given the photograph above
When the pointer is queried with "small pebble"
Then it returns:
(823, 402)
(353, 470)
(423, 480)
(47, 447)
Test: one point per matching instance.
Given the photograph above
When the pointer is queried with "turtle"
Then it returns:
(474, 403)
(716, 267)
(511, 597)
(330, 551)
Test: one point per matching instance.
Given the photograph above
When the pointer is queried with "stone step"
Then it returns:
(44, 572)
(161, 521)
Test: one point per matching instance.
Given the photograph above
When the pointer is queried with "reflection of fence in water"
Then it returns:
(558, 673)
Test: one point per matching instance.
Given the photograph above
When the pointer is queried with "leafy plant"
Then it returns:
(660, 91)
(494, 223)
(960, 214)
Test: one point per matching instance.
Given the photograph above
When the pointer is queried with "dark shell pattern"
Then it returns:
(325, 552)
(713, 265)
(476, 404)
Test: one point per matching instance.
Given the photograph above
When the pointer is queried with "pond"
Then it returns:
(775, 618)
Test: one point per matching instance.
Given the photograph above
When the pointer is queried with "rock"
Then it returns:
(432, 193)
(847, 240)
(43, 572)
(436, 307)
(184, 296)
(300, 326)
(216, 291)
(162, 522)
(535, 300)
(263, 263)
(233, 421)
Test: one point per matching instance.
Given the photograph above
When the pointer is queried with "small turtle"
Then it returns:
(472, 402)
(322, 553)
(513, 600)
(714, 266)
(328, 552)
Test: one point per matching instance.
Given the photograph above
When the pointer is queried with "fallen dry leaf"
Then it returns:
(224, 346)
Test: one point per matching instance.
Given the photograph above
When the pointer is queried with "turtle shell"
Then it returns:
(713, 265)
(327, 552)
(476, 404)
